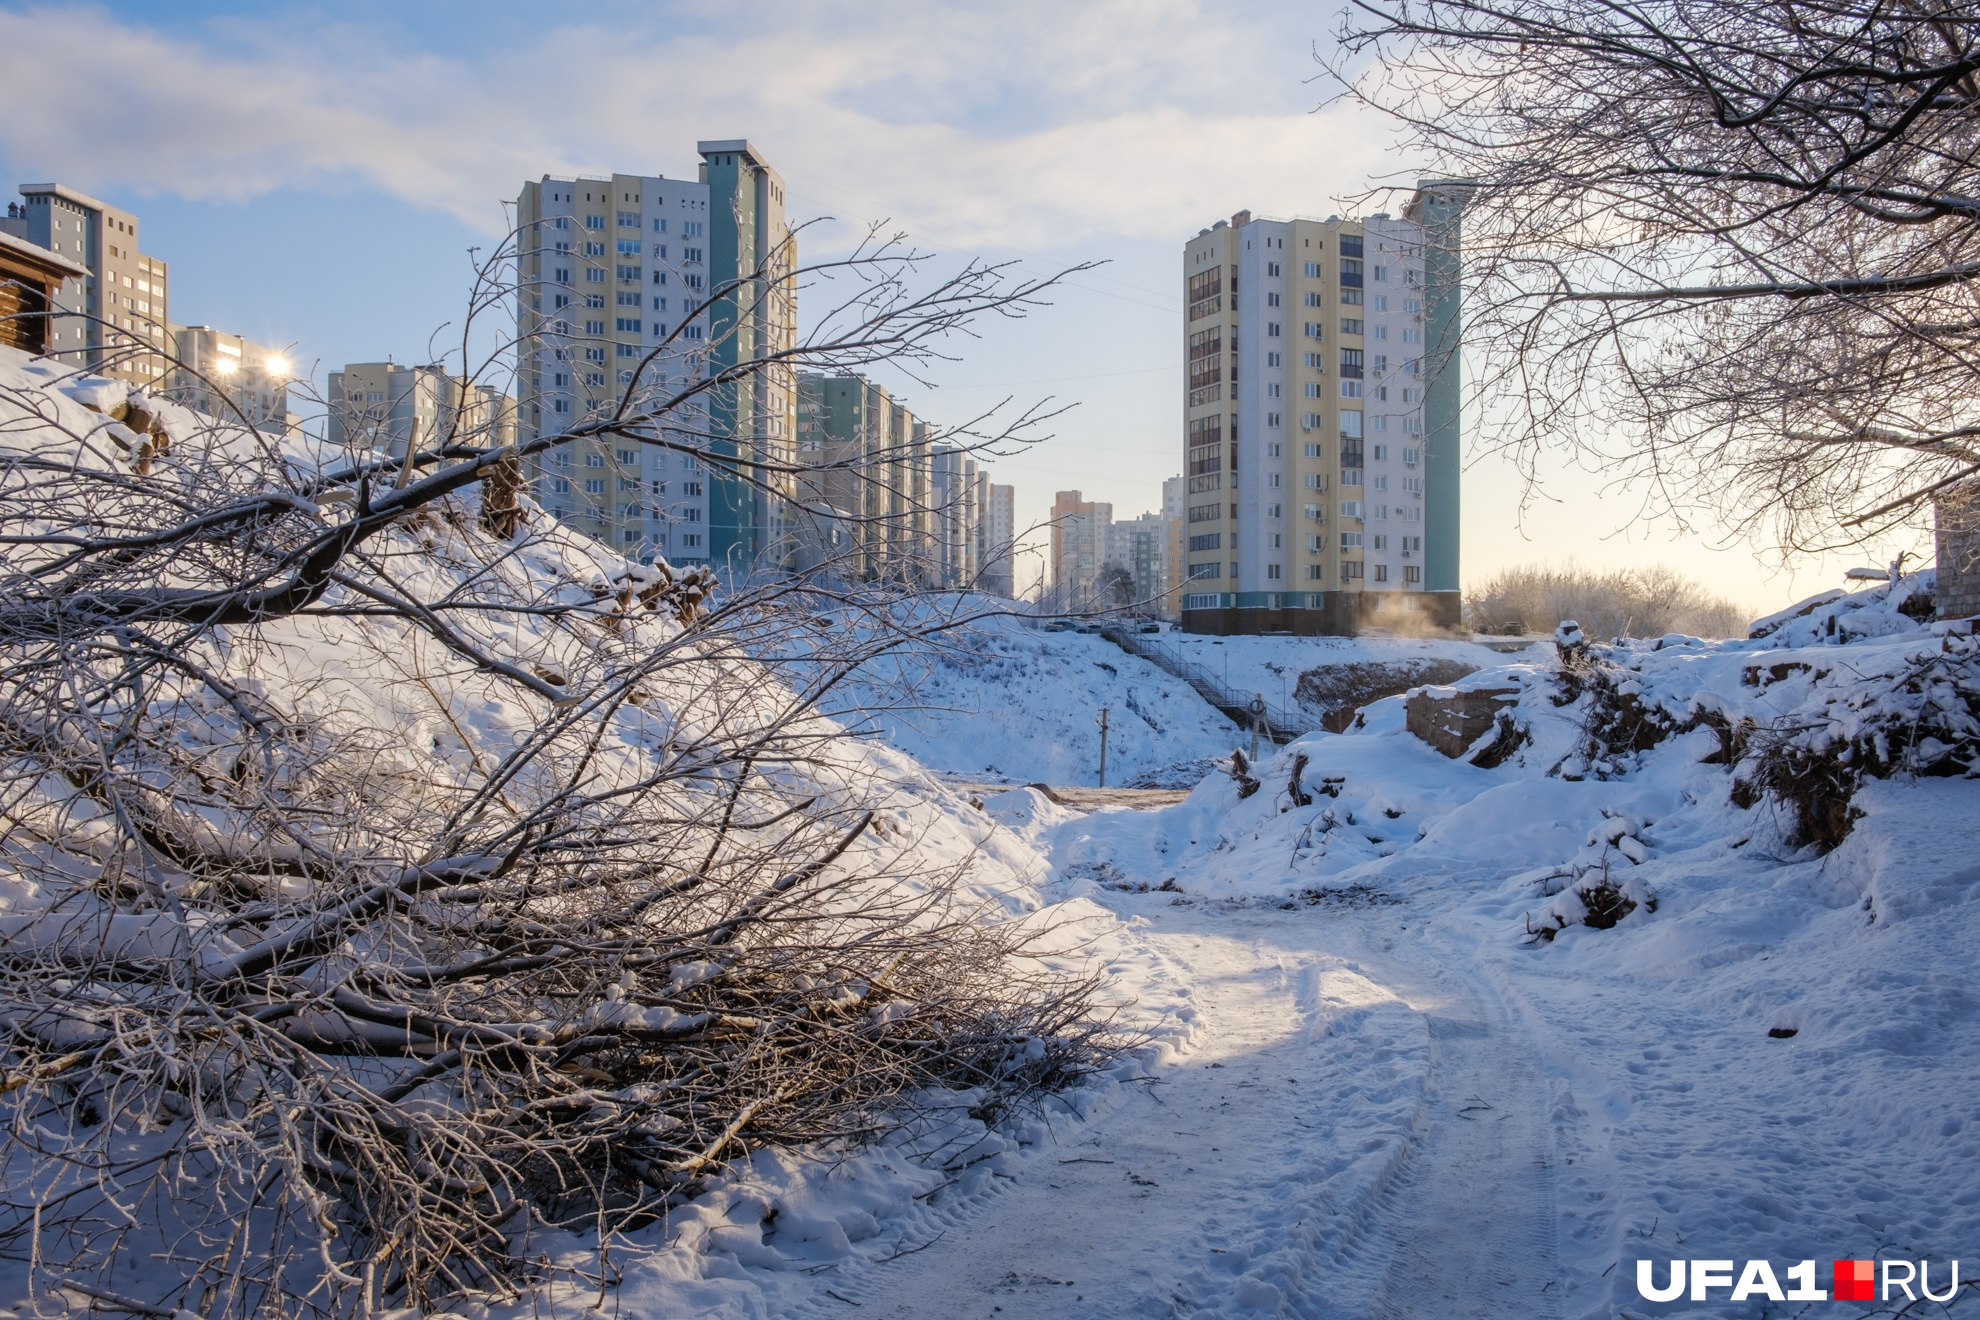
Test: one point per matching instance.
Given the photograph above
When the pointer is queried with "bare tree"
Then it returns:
(1645, 602)
(1725, 249)
(390, 872)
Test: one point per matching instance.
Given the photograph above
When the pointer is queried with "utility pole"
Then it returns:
(1257, 722)
(1103, 747)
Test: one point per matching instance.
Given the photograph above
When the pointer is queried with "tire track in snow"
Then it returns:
(1214, 1190)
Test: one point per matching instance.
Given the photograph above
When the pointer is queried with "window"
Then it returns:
(1350, 508)
(691, 255)
(1272, 269)
(1413, 485)
(594, 327)
(628, 299)
(1312, 330)
(1381, 302)
(1309, 421)
(1272, 450)
(1351, 325)
(1314, 513)
(560, 485)
(1350, 297)
(627, 456)
(1381, 332)
(659, 226)
(1351, 247)
(1272, 389)
(1271, 300)
(1272, 424)
(1316, 361)
(629, 247)
(594, 222)
(1412, 456)
(594, 460)
(561, 222)
(561, 275)
(594, 354)
(594, 300)
(1210, 570)
(1312, 298)
(1312, 269)
(1314, 481)
(1350, 540)
(1379, 481)
(691, 541)
(1316, 572)
(659, 277)
(1311, 450)
(1351, 364)
(659, 304)
(1350, 389)
(1204, 512)
(559, 380)
(1412, 575)
(1208, 541)
(1272, 480)
(1271, 329)
(594, 249)
(1272, 572)
(1381, 273)
(628, 219)
(560, 301)
(691, 229)
(596, 379)
(630, 325)
(561, 406)
(1271, 359)
(1312, 389)
(594, 486)
(1350, 569)
(628, 350)
(593, 275)
(630, 274)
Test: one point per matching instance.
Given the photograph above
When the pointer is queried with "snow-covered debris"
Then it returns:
(390, 890)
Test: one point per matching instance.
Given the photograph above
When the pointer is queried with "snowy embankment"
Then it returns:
(404, 910)
(1000, 700)
(1274, 667)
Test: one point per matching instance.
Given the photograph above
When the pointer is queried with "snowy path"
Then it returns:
(1323, 1151)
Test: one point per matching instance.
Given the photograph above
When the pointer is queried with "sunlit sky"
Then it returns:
(317, 175)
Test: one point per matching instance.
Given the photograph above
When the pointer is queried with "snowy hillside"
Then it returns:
(1001, 700)
(378, 891)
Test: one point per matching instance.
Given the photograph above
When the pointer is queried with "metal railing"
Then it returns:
(1278, 724)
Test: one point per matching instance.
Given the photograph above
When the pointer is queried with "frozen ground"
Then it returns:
(1003, 701)
(1376, 1094)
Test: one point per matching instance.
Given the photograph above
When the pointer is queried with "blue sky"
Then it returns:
(317, 174)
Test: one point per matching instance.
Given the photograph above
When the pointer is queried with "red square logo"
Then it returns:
(1856, 1281)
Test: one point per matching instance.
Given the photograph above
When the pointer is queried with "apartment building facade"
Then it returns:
(1079, 548)
(387, 406)
(1136, 546)
(999, 574)
(1317, 353)
(1175, 506)
(119, 323)
(869, 484)
(226, 376)
(648, 284)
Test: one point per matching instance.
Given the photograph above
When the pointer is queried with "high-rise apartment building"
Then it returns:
(1134, 545)
(1079, 548)
(958, 511)
(119, 324)
(1317, 353)
(644, 283)
(868, 476)
(228, 377)
(999, 538)
(387, 406)
(1174, 512)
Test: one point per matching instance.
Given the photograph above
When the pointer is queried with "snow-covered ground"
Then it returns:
(1001, 700)
(1379, 1093)
(1271, 666)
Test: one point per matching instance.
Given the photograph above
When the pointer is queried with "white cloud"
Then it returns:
(1031, 124)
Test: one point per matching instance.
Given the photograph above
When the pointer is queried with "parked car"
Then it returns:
(1055, 625)
(1150, 626)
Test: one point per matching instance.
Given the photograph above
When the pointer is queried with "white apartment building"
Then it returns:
(223, 375)
(120, 327)
(957, 515)
(647, 283)
(1304, 437)
(387, 406)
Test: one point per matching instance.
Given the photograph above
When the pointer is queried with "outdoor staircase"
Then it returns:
(1277, 724)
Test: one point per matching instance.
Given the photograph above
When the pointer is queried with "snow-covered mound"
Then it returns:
(999, 698)
(384, 885)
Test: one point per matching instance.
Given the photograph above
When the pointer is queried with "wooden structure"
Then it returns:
(31, 280)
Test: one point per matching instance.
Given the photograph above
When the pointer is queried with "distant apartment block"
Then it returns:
(228, 377)
(119, 323)
(1322, 463)
(649, 284)
(876, 493)
(1135, 545)
(388, 406)
(999, 574)
(1174, 512)
(1079, 549)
